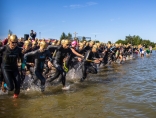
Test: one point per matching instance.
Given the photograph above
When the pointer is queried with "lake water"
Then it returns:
(125, 90)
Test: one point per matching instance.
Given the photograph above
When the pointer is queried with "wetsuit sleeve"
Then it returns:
(21, 55)
(87, 55)
(112, 49)
(97, 56)
(58, 56)
(49, 56)
(2, 49)
(33, 53)
(52, 48)
(30, 54)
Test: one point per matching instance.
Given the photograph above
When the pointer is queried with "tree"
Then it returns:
(152, 44)
(63, 36)
(135, 40)
(69, 36)
(97, 41)
(109, 42)
(83, 38)
(120, 41)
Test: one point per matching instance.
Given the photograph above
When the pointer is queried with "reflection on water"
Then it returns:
(127, 90)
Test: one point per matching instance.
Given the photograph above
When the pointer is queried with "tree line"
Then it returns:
(136, 40)
(69, 36)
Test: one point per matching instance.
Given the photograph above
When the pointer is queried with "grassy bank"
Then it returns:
(154, 48)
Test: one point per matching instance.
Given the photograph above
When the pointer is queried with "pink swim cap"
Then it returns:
(74, 43)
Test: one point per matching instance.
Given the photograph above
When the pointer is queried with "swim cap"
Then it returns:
(74, 43)
(43, 44)
(13, 38)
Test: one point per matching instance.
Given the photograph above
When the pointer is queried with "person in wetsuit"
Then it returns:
(20, 42)
(26, 49)
(1, 74)
(62, 52)
(89, 47)
(40, 56)
(76, 56)
(47, 65)
(91, 58)
(9, 66)
(34, 46)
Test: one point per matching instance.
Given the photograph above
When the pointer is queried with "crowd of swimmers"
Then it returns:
(39, 57)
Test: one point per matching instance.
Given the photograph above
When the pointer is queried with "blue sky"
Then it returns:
(109, 20)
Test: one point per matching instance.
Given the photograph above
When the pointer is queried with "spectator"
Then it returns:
(5, 41)
(33, 35)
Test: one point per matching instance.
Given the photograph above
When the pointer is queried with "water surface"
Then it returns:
(118, 91)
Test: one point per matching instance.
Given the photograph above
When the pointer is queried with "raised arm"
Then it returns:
(76, 53)
(33, 53)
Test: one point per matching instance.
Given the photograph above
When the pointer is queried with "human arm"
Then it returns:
(33, 53)
(76, 53)
(2, 49)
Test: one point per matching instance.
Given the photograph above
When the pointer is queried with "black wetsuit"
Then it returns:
(52, 49)
(10, 68)
(87, 66)
(34, 48)
(61, 53)
(1, 74)
(39, 58)
(73, 59)
(105, 56)
(29, 60)
(20, 44)
(87, 48)
(76, 64)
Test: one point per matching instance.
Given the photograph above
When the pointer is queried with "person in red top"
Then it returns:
(5, 41)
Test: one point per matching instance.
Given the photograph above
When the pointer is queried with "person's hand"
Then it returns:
(49, 64)
(24, 72)
(96, 61)
(79, 59)
(100, 59)
(32, 64)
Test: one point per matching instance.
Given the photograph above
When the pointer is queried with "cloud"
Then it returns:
(74, 6)
(91, 3)
(111, 20)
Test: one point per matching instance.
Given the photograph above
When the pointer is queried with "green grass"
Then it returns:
(154, 48)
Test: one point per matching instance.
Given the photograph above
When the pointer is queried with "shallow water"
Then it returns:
(117, 91)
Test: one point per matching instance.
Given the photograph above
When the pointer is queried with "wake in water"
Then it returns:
(73, 76)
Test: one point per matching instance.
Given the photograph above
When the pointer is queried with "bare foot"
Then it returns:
(66, 88)
(3, 89)
(28, 89)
